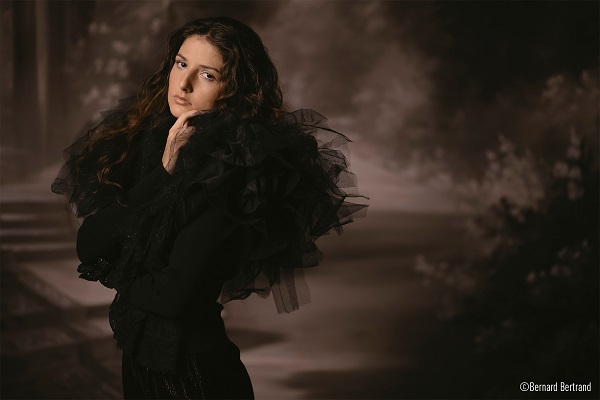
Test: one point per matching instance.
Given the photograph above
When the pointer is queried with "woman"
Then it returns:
(200, 190)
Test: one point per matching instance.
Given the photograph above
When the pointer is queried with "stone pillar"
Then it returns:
(20, 137)
(42, 50)
(7, 88)
(36, 97)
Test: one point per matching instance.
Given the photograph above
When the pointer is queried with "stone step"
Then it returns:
(39, 251)
(44, 316)
(39, 294)
(56, 341)
(58, 285)
(39, 342)
(28, 352)
(31, 235)
(76, 382)
(47, 330)
(33, 220)
(33, 206)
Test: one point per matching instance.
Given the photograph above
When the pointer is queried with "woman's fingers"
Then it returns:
(187, 131)
(183, 120)
(179, 134)
(184, 134)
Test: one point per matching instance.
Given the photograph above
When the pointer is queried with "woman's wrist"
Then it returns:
(170, 153)
(168, 159)
(167, 166)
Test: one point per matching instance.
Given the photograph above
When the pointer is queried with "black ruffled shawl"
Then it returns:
(285, 184)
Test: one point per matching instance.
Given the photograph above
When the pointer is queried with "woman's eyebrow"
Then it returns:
(201, 65)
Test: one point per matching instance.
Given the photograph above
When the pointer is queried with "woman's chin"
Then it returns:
(177, 110)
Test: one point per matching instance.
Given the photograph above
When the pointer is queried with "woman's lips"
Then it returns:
(181, 101)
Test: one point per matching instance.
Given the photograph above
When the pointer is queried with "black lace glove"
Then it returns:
(100, 271)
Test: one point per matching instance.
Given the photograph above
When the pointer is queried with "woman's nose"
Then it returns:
(185, 83)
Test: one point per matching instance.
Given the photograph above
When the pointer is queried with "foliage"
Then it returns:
(508, 175)
(534, 300)
(541, 297)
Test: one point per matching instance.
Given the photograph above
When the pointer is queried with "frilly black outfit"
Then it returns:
(242, 210)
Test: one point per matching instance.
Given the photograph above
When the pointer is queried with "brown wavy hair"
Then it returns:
(250, 84)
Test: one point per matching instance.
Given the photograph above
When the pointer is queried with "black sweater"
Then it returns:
(187, 289)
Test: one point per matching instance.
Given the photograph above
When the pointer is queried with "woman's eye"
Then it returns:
(208, 75)
(181, 64)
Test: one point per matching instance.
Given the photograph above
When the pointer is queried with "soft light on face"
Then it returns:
(195, 78)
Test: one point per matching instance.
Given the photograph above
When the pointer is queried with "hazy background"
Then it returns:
(423, 87)
(452, 106)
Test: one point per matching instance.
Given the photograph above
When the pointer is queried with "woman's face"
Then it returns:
(195, 78)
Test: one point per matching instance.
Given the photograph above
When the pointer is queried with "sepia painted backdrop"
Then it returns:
(454, 108)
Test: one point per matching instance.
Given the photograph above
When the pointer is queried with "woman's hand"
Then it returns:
(179, 134)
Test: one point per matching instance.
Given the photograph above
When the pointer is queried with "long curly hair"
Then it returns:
(251, 84)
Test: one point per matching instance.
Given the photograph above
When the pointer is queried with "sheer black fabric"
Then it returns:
(78, 178)
(285, 184)
(280, 186)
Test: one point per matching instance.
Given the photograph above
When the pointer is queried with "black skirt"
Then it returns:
(217, 373)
